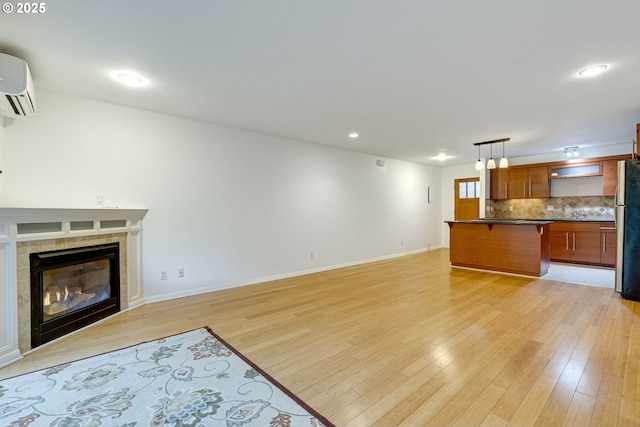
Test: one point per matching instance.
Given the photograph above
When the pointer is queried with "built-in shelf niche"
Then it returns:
(39, 227)
(80, 225)
(581, 170)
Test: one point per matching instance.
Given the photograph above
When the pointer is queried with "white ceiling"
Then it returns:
(414, 78)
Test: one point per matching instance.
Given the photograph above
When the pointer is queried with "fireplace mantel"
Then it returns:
(56, 225)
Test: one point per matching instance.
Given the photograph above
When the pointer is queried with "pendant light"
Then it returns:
(491, 164)
(479, 163)
(504, 163)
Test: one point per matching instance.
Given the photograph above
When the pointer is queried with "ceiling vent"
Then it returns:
(17, 95)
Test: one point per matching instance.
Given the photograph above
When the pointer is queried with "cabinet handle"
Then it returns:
(566, 237)
(506, 190)
(529, 188)
(524, 188)
(574, 241)
(604, 243)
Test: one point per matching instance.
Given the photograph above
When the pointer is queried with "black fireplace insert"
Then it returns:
(72, 288)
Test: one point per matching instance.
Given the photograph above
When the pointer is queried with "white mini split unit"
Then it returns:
(17, 95)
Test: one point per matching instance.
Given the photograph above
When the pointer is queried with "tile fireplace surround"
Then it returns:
(28, 230)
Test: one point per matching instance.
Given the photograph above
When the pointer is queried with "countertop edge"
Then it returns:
(501, 222)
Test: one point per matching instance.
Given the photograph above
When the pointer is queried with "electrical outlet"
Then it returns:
(163, 275)
(100, 199)
(181, 272)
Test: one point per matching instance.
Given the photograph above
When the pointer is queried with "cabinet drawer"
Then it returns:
(575, 226)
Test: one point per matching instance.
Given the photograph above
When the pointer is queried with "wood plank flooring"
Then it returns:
(412, 342)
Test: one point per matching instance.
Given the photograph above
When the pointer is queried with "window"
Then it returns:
(469, 190)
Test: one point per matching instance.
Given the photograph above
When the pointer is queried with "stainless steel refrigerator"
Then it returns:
(628, 230)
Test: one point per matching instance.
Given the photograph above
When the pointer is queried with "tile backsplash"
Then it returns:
(590, 207)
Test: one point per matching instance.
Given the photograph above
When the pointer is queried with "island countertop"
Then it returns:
(510, 246)
(503, 221)
(536, 220)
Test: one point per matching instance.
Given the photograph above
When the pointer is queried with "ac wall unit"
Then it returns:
(17, 95)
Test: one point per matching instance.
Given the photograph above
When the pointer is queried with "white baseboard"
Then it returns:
(10, 357)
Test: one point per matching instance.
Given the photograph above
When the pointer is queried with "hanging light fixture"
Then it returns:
(491, 164)
(504, 163)
(479, 163)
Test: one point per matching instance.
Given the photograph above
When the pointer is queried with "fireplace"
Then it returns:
(72, 288)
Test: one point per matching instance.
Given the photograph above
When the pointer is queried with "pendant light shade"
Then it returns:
(504, 163)
(491, 164)
(479, 163)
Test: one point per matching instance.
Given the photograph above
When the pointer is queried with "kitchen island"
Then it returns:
(510, 246)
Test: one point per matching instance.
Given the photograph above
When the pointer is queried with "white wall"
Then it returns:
(229, 206)
(3, 123)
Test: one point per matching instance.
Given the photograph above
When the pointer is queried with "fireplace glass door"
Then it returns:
(72, 288)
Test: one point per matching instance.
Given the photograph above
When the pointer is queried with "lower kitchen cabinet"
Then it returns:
(608, 240)
(577, 242)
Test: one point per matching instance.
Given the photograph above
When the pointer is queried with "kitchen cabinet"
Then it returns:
(609, 177)
(530, 182)
(577, 242)
(499, 184)
(608, 239)
(534, 180)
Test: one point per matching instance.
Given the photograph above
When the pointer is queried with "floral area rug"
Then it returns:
(190, 379)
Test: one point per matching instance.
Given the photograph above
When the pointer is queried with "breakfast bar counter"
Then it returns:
(510, 246)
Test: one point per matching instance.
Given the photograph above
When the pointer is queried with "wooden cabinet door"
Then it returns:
(585, 246)
(609, 177)
(560, 245)
(608, 247)
(577, 242)
(518, 183)
(538, 185)
(529, 182)
(499, 184)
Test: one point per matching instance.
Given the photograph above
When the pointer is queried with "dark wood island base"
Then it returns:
(517, 246)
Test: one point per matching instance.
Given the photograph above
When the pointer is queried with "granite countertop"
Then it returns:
(530, 220)
(583, 219)
(503, 221)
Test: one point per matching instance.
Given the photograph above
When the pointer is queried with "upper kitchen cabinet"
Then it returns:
(534, 180)
(499, 184)
(609, 177)
(529, 182)
(610, 173)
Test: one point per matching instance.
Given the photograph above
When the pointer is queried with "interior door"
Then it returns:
(467, 199)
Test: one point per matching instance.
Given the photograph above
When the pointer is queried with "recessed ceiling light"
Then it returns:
(353, 135)
(593, 70)
(441, 157)
(130, 79)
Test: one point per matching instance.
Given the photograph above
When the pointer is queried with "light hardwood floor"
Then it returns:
(412, 342)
